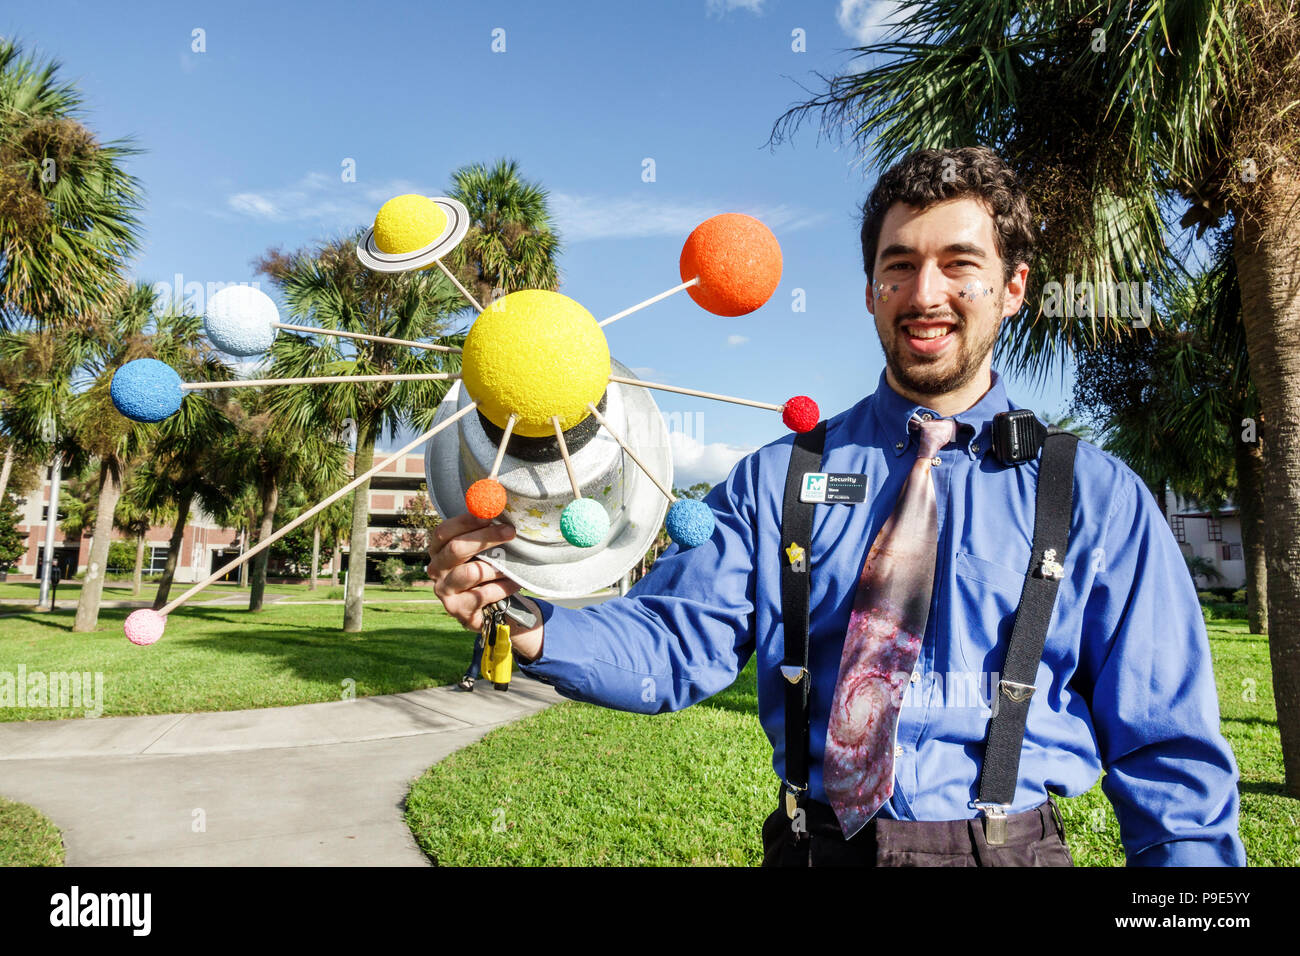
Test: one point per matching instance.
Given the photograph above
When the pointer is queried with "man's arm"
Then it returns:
(1171, 776)
(681, 634)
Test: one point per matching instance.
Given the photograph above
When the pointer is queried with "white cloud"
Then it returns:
(866, 21)
(734, 340)
(718, 8)
(581, 217)
(318, 197)
(694, 461)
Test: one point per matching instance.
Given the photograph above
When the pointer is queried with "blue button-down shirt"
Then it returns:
(1125, 681)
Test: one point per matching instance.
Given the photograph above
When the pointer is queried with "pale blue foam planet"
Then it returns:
(690, 522)
(146, 390)
(584, 522)
(240, 320)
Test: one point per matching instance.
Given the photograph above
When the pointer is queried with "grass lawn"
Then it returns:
(581, 785)
(227, 659)
(27, 838)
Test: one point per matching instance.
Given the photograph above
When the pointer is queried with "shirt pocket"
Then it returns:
(988, 595)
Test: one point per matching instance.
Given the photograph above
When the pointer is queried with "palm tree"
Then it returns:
(131, 330)
(1113, 113)
(328, 287)
(137, 512)
(268, 452)
(68, 211)
(512, 243)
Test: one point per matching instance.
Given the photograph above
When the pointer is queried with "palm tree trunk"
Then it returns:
(1266, 250)
(92, 588)
(315, 557)
(270, 499)
(137, 576)
(1250, 474)
(352, 601)
(4, 471)
(174, 547)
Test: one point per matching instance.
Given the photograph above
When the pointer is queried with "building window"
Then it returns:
(157, 559)
(1215, 529)
(1180, 533)
(1232, 552)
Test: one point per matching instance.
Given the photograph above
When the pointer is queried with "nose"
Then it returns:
(930, 290)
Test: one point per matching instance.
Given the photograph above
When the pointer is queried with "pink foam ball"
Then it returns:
(144, 626)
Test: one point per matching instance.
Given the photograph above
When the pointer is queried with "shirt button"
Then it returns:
(975, 449)
(916, 676)
(899, 445)
(936, 461)
(898, 751)
(926, 416)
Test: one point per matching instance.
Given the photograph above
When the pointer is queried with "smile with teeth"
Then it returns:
(933, 332)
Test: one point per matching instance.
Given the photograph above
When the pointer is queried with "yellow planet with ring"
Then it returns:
(406, 223)
(535, 354)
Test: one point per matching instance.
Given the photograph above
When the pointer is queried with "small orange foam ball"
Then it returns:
(486, 498)
(738, 261)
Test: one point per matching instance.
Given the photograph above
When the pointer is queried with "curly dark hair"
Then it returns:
(930, 176)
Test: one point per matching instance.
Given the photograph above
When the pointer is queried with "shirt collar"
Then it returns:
(975, 425)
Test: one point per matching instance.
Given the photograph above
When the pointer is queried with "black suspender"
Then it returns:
(796, 535)
(1006, 730)
(1053, 505)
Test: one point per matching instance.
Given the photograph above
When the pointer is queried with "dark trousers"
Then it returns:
(1034, 838)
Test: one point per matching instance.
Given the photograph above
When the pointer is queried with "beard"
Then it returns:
(945, 373)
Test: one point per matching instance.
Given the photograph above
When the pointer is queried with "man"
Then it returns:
(1125, 681)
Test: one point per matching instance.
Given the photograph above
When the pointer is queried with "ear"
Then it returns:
(1017, 286)
(871, 299)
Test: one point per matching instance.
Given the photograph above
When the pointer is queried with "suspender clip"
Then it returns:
(792, 798)
(793, 674)
(995, 822)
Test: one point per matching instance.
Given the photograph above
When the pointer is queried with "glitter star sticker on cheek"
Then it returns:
(971, 290)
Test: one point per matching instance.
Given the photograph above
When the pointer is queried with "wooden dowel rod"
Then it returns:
(319, 380)
(411, 343)
(456, 282)
(696, 392)
(501, 449)
(650, 301)
(268, 541)
(633, 455)
(564, 453)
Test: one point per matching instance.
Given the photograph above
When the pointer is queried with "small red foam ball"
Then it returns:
(801, 414)
(486, 498)
(737, 260)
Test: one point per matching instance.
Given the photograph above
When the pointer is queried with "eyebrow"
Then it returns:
(955, 248)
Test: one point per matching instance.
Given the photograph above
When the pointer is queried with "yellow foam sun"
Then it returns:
(536, 354)
(406, 223)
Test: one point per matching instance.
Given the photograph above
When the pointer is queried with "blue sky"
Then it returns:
(245, 145)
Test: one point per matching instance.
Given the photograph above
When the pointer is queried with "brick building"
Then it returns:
(206, 545)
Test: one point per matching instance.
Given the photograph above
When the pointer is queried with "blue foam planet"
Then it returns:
(146, 390)
(690, 522)
(240, 320)
(584, 522)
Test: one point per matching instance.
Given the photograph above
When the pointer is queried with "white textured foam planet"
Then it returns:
(240, 320)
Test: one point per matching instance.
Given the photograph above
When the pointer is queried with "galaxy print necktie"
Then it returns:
(883, 642)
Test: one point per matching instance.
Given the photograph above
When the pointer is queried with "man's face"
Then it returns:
(939, 297)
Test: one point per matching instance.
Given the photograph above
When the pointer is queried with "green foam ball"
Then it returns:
(584, 523)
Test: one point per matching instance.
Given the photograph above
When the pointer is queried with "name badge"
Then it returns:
(833, 489)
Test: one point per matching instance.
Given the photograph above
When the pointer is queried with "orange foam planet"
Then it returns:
(738, 261)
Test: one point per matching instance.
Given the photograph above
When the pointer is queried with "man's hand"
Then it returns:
(466, 586)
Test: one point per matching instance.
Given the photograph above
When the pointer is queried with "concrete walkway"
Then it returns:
(314, 784)
(309, 785)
